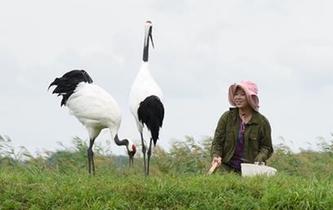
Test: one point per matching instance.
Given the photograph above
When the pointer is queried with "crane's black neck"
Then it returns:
(148, 35)
(119, 142)
(146, 49)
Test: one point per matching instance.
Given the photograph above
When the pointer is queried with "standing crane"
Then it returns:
(145, 101)
(93, 107)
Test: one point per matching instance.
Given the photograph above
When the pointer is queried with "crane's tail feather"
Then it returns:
(151, 113)
(66, 85)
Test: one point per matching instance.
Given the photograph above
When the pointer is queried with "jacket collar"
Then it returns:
(254, 120)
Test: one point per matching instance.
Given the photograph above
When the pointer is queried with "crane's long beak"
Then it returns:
(151, 38)
(148, 37)
(148, 33)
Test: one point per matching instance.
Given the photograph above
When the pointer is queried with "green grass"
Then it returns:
(28, 188)
(59, 180)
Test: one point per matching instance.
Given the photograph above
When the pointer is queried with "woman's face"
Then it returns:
(240, 98)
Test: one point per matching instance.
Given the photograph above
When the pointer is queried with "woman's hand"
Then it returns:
(217, 160)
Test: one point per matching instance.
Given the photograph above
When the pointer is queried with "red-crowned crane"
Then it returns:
(145, 101)
(93, 107)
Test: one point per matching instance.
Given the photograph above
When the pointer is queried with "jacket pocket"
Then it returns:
(254, 143)
(253, 138)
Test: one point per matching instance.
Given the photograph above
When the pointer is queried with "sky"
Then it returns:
(201, 48)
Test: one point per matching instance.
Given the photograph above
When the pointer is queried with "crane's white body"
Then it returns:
(95, 109)
(144, 85)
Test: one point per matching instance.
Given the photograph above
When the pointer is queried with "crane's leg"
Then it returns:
(144, 153)
(91, 163)
(149, 154)
(130, 163)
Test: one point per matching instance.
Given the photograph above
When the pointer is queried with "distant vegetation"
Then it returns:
(59, 180)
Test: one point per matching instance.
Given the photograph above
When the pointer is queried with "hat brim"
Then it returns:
(251, 97)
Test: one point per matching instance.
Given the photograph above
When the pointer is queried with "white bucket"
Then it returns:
(254, 170)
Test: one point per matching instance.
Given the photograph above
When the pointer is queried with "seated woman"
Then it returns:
(243, 135)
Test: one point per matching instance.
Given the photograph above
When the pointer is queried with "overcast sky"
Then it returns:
(201, 47)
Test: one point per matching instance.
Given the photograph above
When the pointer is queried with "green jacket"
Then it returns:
(257, 137)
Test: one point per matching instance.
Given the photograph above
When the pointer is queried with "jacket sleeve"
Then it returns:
(265, 146)
(219, 136)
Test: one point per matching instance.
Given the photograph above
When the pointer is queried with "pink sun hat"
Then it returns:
(251, 91)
